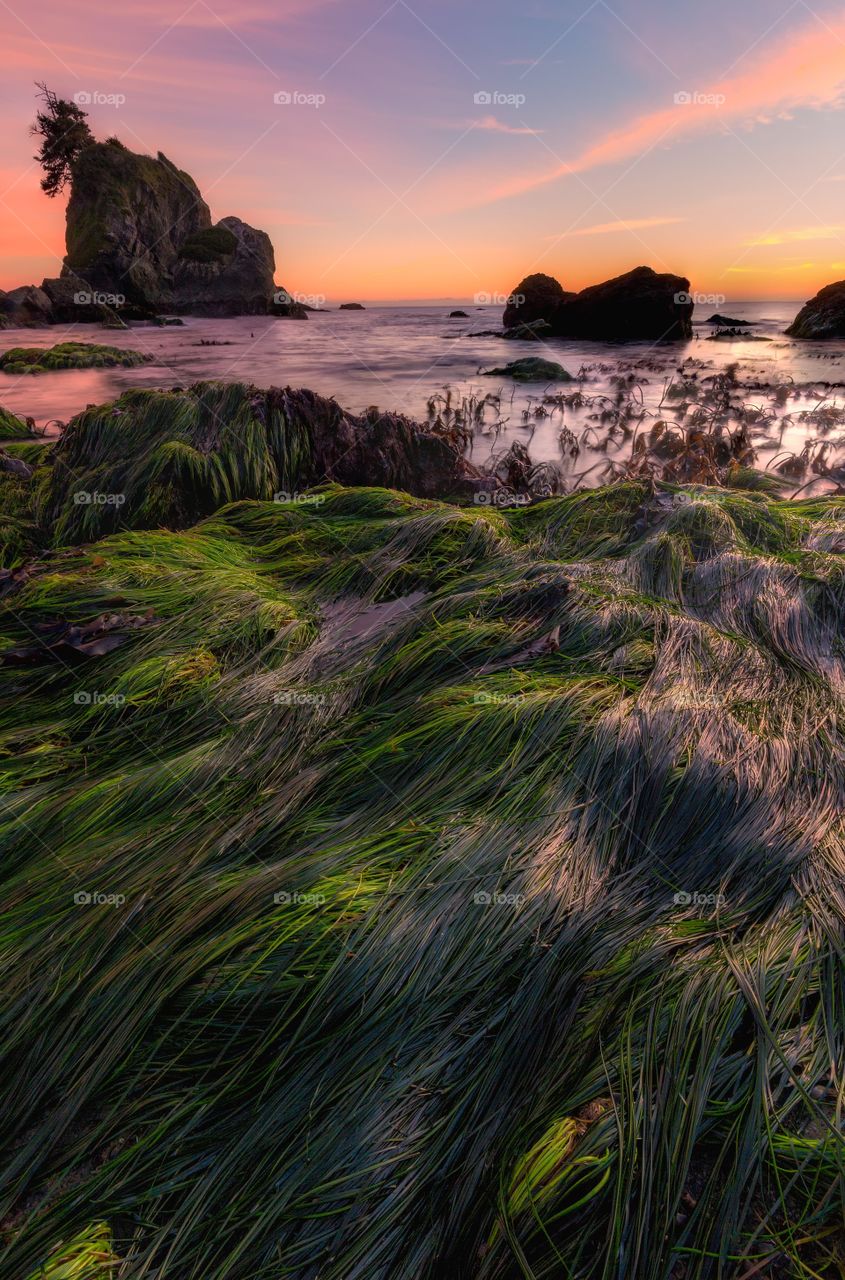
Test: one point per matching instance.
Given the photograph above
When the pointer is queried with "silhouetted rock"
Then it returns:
(640, 305)
(537, 297)
(823, 316)
(286, 306)
(458, 315)
(351, 306)
(727, 323)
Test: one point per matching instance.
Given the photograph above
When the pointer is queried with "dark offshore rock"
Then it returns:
(458, 315)
(25, 307)
(139, 229)
(823, 316)
(725, 322)
(286, 306)
(537, 297)
(640, 305)
(351, 306)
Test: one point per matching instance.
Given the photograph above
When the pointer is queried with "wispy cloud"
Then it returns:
(493, 125)
(799, 236)
(620, 224)
(805, 69)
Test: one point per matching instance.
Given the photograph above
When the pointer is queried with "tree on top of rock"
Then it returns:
(63, 129)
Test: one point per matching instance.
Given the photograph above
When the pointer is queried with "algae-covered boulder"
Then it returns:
(532, 369)
(166, 458)
(69, 355)
(823, 316)
(139, 229)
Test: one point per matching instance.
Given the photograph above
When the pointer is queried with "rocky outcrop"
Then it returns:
(640, 305)
(26, 307)
(236, 281)
(351, 306)
(823, 316)
(138, 230)
(537, 297)
(286, 306)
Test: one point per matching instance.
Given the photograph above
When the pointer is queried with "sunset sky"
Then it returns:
(460, 145)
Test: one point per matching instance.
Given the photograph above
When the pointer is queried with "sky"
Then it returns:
(422, 149)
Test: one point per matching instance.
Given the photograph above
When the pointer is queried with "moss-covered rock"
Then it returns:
(69, 355)
(138, 228)
(208, 246)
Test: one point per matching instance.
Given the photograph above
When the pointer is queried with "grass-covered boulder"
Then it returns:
(409, 892)
(166, 458)
(70, 355)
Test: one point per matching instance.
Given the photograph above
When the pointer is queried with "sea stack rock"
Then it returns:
(638, 306)
(139, 229)
(823, 316)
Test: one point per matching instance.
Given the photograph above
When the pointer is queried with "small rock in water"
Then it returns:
(532, 369)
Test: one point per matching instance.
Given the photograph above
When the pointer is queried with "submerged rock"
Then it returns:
(640, 305)
(532, 369)
(823, 316)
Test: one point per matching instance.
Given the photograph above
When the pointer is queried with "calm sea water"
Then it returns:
(399, 357)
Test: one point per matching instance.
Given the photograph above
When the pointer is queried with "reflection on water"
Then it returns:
(399, 357)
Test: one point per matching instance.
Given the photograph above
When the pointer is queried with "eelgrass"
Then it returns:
(464, 892)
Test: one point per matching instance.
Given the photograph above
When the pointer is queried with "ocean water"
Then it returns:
(398, 358)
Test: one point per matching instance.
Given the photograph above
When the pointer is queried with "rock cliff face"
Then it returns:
(823, 316)
(139, 229)
(640, 305)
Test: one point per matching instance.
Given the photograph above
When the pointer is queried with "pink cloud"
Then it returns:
(803, 70)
